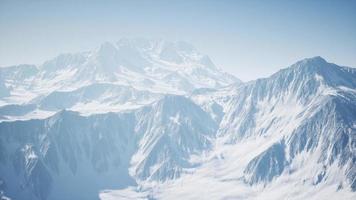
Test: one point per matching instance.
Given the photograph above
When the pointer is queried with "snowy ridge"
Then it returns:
(141, 65)
(157, 120)
(172, 129)
(156, 142)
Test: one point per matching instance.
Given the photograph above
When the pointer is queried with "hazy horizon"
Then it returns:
(248, 39)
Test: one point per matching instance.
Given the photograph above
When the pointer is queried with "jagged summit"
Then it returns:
(313, 61)
(137, 52)
(176, 52)
(140, 69)
(318, 64)
(311, 72)
(308, 64)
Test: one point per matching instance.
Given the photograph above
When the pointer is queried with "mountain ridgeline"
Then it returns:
(137, 118)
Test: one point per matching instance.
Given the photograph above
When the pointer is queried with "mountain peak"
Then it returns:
(311, 65)
(315, 59)
(314, 70)
(313, 62)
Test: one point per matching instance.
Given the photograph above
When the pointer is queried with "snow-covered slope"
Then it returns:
(66, 153)
(157, 65)
(151, 119)
(39, 158)
(171, 131)
(291, 135)
(90, 82)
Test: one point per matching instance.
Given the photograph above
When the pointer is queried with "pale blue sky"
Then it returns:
(250, 39)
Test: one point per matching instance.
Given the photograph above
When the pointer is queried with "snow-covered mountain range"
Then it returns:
(114, 77)
(151, 119)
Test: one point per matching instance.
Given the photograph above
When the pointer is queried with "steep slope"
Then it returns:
(171, 131)
(290, 135)
(308, 107)
(56, 157)
(300, 88)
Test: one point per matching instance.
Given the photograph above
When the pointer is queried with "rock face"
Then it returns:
(171, 130)
(267, 165)
(58, 156)
(308, 108)
(96, 152)
(154, 119)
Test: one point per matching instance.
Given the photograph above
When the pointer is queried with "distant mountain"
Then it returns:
(142, 66)
(151, 119)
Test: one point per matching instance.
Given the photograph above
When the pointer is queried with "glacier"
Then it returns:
(154, 119)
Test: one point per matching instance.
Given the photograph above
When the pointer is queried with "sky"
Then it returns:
(250, 39)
